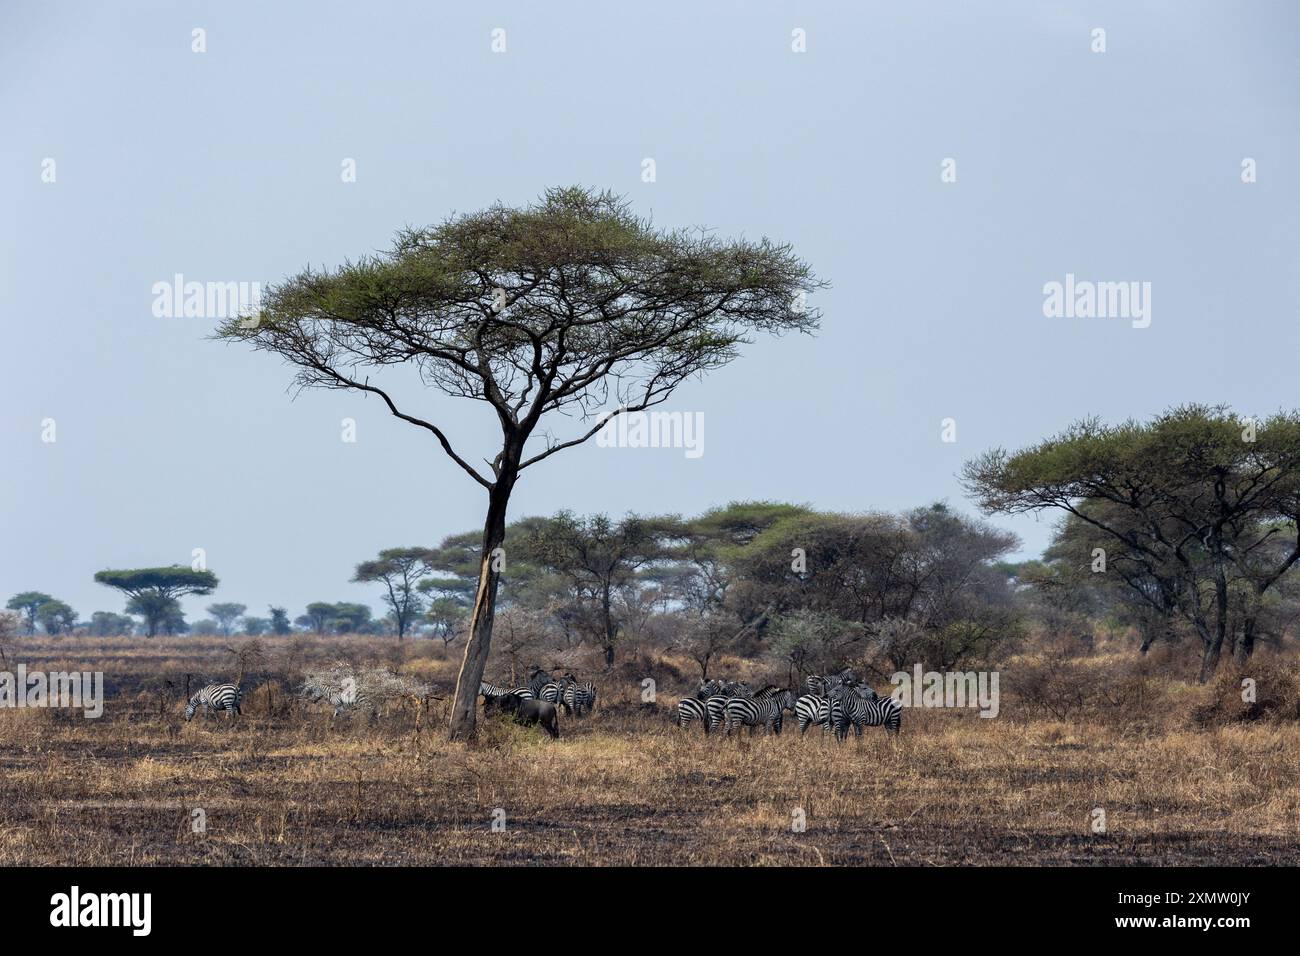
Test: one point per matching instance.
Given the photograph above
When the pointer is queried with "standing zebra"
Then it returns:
(851, 708)
(486, 689)
(822, 685)
(766, 710)
(578, 696)
(812, 709)
(215, 697)
(692, 708)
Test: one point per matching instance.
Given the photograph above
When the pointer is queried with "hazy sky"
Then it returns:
(226, 166)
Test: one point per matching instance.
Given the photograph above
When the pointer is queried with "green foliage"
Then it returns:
(153, 593)
(28, 602)
(56, 617)
(279, 623)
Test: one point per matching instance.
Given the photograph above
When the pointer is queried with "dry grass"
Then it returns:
(286, 786)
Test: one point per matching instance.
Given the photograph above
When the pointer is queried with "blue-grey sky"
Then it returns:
(225, 165)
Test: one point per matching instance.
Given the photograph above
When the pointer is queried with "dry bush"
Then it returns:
(1275, 689)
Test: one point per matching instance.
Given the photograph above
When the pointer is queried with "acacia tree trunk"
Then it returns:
(611, 629)
(463, 707)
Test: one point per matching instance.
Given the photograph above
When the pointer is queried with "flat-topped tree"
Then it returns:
(570, 307)
(28, 603)
(154, 592)
(1199, 506)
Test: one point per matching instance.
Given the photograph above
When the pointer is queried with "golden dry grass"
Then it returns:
(284, 785)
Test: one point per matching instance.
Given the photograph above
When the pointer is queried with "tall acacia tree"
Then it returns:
(571, 308)
(155, 592)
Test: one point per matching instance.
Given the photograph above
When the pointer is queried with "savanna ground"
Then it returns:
(1185, 774)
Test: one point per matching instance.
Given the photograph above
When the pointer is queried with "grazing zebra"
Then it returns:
(337, 699)
(753, 711)
(215, 697)
(850, 708)
(692, 708)
(812, 709)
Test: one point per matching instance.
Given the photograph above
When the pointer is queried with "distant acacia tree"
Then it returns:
(56, 617)
(280, 620)
(601, 558)
(108, 624)
(557, 311)
(399, 570)
(318, 616)
(445, 618)
(27, 603)
(226, 614)
(256, 626)
(154, 592)
(348, 618)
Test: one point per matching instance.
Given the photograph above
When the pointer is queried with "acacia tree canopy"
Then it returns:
(154, 591)
(572, 307)
(1192, 502)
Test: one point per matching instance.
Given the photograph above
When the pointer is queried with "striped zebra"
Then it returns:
(537, 680)
(766, 710)
(340, 700)
(823, 684)
(737, 689)
(486, 689)
(577, 696)
(851, 708)
(812, 709)
(690, 709)
(715, 710)
(215, 697)
(708, 688)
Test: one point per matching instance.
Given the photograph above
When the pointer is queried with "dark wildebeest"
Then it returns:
(527, 712)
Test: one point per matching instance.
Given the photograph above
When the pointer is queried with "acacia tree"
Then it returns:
(400, 571)
(1202, 506)
(154, 592)
(571, 307)
(600, 559)
(28, 603)
(226, 614)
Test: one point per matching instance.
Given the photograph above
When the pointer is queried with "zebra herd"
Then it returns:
(833, 703)
(575, 696)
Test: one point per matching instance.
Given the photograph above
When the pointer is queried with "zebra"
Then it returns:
(822, 685)
(340, 700)
(215, 697)
(812, 709)
(578, 696)
(737, 689)
(708, 688)
(766, 710)
(852, 708)
(486, 689)
(538, 679)
(692, 708)
(715, 710)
